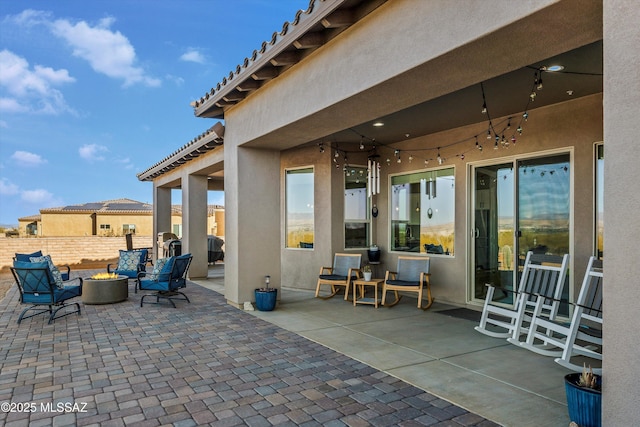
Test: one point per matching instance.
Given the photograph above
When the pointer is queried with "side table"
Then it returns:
(362, 284)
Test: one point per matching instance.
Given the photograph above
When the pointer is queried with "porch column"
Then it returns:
(252, 221)
(621, 357)
(161, 216)
(194, 223)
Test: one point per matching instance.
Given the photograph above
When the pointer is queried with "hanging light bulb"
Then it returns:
(519, 130)
(399, 160)
(440, 159)
(525, 115)
(361, 144)
(337, 154)
(484, 108)
(532, 96)
(495, 146)
(410, 158)
(461, 156)
(513, 140)
(426, 162)
(509, 123)
(539, 87)
(489, 133)
(321, 147)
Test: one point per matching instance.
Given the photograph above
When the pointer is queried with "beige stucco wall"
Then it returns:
(572, 126)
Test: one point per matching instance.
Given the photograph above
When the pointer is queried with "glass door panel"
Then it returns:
(515, 213)
(493, 234)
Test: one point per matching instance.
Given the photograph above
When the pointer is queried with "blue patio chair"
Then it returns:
(65, 270)
(412, 275)
(346, 268)
(42, 292)
(165, 283)
(130, 264)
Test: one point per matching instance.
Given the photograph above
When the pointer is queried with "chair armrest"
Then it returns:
(491, 285)
(390, 275)
(109, 267)
(324, 270)
(64, 266)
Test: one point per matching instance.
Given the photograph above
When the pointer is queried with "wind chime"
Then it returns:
(373, 178)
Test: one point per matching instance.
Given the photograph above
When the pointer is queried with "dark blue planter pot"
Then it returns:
(585, 404)
(266, 300)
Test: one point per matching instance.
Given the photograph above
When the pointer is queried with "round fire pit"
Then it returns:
(105, 291)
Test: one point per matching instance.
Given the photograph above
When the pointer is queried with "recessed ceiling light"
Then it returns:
(378, 124)
(553, 68)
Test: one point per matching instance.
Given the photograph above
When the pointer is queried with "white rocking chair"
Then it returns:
(542, 275)
(583, 336)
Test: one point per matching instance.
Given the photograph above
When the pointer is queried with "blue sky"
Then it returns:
(94, 92)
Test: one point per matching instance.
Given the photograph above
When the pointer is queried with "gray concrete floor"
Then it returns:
(438, 353)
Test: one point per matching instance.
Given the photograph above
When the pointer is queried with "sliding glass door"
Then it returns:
(518, 206)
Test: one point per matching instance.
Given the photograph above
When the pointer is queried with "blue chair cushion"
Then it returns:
(55, 273)
(59, 295)
(157, 269)
(25, 257)
(336, 277)
(129, 261)
(403, 283)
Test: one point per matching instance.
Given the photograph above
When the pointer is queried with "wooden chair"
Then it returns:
(583, 336)
(346, 268)
(412, 275)
(542, 275)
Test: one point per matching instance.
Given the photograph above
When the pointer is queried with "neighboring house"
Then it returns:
(480, 151)
(108, 218)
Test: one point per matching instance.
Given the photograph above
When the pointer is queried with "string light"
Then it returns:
(493, 131)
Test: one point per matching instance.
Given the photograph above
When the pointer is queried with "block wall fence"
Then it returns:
(69, 250)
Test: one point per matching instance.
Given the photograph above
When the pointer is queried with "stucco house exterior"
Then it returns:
(469, 132)
(108, 218)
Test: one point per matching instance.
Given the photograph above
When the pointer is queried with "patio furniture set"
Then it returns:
(412, 275)
(44, 289)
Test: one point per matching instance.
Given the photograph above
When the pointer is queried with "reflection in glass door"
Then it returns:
(516, 213)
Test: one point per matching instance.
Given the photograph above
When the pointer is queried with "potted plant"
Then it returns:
(266, 297)
(584, 397)
(366, 271)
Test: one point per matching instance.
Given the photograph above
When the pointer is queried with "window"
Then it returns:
(128, 228)
(105, 226)
(422, 212)
(599, 201)
(299, 205)
(356, 209)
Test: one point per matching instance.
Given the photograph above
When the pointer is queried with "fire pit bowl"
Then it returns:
(105, 288)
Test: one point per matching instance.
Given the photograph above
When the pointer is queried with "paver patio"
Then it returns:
(201, 363)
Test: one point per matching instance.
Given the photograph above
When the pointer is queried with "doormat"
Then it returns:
(462, 313)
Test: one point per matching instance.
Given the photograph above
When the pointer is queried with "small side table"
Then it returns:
(363, 284)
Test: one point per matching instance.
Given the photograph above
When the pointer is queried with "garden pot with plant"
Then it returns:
(366, 272)
(584, 398)
(266, 297)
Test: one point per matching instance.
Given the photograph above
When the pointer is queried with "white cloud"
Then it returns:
(193, 55)
(25, 158)
(31, 90)
(8, 188)
(108, 52)
(179, 81)
(30, 17)
(93, 152)
(40, 197)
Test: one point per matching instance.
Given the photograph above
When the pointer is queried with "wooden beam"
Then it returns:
(234, 96)
(248, 85)
(339, 18)
(310, 40)
(285, 58)
(266, 73)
